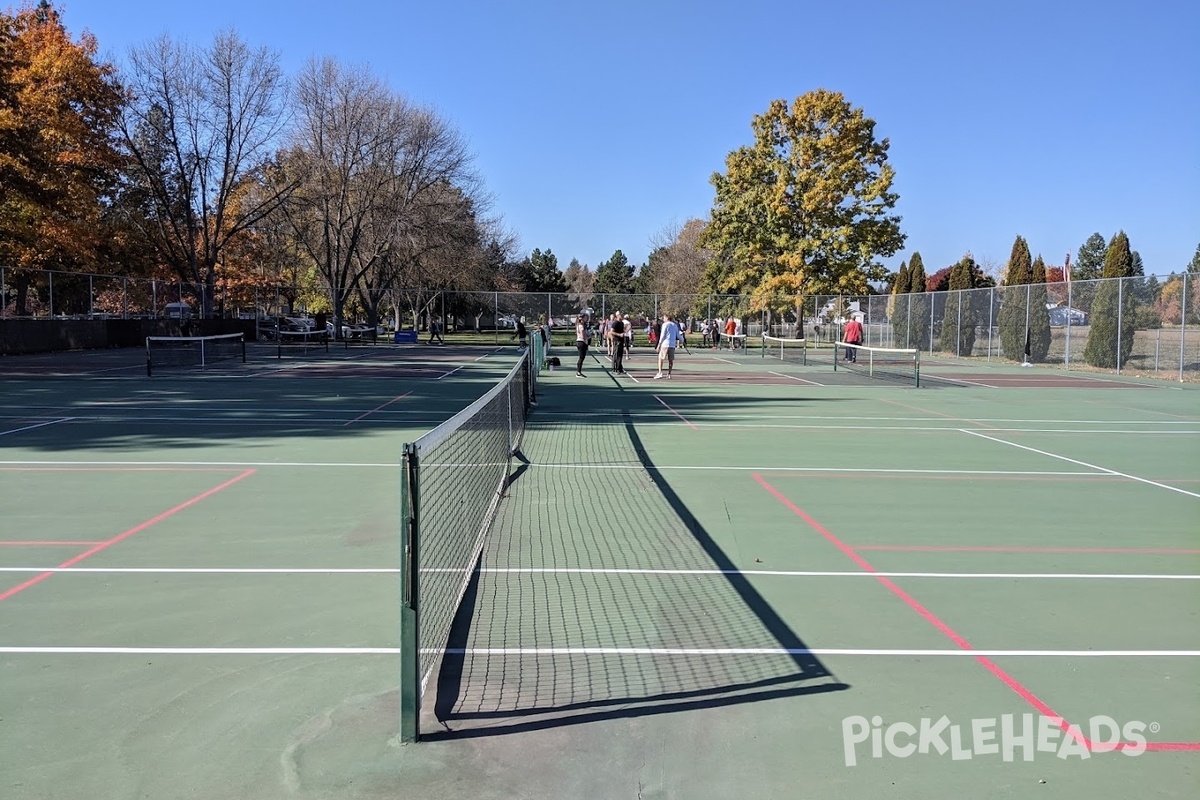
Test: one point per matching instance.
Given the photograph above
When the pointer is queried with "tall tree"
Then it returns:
(807, 208)
(920, 306)
(581, 282)
(200, 124)
(1110, 337)
(545, 276)
(1039, 316)
(958, 319)
(1194, 265)
(614, 276)
(1089, 261)
(897, 305)
(58, 162)
(1015, 301)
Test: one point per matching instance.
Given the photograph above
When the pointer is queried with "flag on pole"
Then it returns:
(1067, 272)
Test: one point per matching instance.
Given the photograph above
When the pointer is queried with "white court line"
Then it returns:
(489, 353)
(601, 571)
(1084, 464)
(600, 651)
(655, 413)
(850, 470)
(319, 464)
(727, 361)
(964, 382)
(448, 374)
(817, 573)
(39, 425)
(794, 378)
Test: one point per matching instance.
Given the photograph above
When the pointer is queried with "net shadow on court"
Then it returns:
(562, 624)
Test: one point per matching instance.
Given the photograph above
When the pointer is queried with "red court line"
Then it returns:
(1025, 694)
(378, 408)
(47, 543)
(676, 413)
(170, 512)
(935, 548)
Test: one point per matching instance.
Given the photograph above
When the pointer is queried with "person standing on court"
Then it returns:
(853, 334)
(581, 343)
(668, 340)
(618, 337)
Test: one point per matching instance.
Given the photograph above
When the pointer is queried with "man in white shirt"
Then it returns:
(668, 340)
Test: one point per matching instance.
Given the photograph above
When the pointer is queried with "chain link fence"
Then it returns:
(1139, 325)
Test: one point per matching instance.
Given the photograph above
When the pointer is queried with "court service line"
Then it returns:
(676, 413)
(1083, 463)
(170, 512)
(373, 410)
(448, 374)
(933, 548)
(597, 571)
(727, 361)
(794, 378)
(39, 425)
(600, 651)
(910, 601)
(48, 543)
(232, 464)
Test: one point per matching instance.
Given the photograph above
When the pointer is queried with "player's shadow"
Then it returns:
(532, 649)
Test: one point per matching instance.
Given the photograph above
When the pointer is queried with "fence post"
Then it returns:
(51, 279)
(1183, 325)
(1120, 310)
(991, 318)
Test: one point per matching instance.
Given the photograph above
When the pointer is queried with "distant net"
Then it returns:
(454, 477)
(300, 342)
(734, 342)
(165, 352)
(885, 363)
(794, 351)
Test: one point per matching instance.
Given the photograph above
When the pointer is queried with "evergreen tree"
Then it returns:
(958, 321)
(544, 274)
(1014, 305)
(1039, 315)
(898, 306)
(614, 276)
(1089, 261)
(1110, 339)
(1194, 265)
(918, 306)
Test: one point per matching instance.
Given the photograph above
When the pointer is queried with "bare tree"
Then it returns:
(375, 169)
(199, 124)
(678, 265)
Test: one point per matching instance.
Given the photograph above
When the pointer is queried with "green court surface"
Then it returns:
(756, 579)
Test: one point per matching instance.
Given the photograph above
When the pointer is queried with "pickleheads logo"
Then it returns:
(1004, 737)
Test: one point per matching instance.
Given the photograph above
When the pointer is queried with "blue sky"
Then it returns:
(597, 126)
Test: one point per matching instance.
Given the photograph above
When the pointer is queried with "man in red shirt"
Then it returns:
(853, 335)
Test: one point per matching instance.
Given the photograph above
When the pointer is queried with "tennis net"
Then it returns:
(792, 350)
(879, 362)
(735, 342)
(454, 477)
(302, 342)
(163, 352)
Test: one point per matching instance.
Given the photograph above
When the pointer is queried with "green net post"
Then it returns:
(410, 651)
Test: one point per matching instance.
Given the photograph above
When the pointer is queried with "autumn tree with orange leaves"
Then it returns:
(58, 160)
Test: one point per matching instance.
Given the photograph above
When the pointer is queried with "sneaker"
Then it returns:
(580, 375)
(658, 376)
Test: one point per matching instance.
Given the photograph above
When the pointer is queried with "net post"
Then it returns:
(243, 340)
(149, 371)
(835, 355)
(410, 652)
(917, 368)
